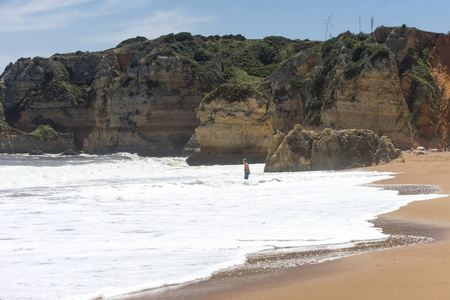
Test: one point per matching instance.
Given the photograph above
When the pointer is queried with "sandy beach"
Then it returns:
(412, 272)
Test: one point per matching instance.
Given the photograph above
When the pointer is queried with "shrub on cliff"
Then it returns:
(425, 81)
(59, 90)
(230, 93)
(234, 52)
(363, 52)
(45, 132)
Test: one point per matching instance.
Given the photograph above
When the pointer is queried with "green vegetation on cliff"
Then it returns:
(231, 93)
(234, 54)
(425, 82)
(45, 132)
(347, 54)
(59, 90)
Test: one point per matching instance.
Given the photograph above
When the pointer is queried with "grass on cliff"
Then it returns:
(233, 54)
(363, 50)
(59, 90)
(423, 78)
(355, 51)
(45, 132)
(231, 93)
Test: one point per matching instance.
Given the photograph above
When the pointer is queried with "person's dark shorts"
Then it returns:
(246, 175)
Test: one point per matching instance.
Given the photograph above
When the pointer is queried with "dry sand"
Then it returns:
(413, 272)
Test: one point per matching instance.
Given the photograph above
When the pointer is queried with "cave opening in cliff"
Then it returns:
(12, 114)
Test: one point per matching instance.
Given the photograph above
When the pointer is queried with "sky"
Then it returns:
(30, 28)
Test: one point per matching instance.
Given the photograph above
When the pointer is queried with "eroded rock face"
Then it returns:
(2, 114)
(440, 68)
(328, 150)
(53, 91)
(150, 110)
(232, 130)
(351, 84)
(142, 96)
(17, 80)
(372, 100)
(15, 141)
(420, 56)
(109, 101)
(289, 97)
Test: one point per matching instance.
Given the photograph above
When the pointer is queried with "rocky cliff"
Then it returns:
(139, 97)
(43, 138)
(329, 149)
(148, 96)
(234, 123)
(129, 98)
(393, 82)
(149, 110)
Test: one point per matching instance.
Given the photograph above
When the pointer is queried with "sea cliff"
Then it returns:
(151, 96)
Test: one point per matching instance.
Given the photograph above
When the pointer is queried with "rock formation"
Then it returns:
(149, 110)
(234, 124)
(302, 150)
(126, 99)
(147, 96)
(44, 138)
(352, 83)
(2, 114)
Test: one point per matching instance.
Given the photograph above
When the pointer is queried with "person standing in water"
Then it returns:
(246, 168)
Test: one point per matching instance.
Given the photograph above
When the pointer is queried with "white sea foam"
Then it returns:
(82, 227)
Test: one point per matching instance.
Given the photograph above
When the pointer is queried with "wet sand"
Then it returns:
(420, 271)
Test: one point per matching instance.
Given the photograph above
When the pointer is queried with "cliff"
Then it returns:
(234, 124)
(140, 96)
(150, 96)
(43, 138)
(393, 82)
(329, 149)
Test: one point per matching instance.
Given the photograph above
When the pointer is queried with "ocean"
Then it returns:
(98, 226)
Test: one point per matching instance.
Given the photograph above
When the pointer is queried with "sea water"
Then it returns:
(90, 226)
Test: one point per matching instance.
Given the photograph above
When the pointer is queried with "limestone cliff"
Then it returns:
(53, 92)
(234, 124)
(393, 82)
(149, 110)
(412, 49)
(129, 98)
(140, 96)
(348, 82)
(44, 138)
(329, 149)
(147, 96)
(440, 69)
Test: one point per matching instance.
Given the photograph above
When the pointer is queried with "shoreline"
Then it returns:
(417, 218)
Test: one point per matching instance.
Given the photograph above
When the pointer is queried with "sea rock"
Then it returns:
(303, 150)
(192, 146)
(44, 139)
(36, 152)
(234, 124)
(69, 152)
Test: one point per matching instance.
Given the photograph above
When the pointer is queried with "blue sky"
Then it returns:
(31, 28)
